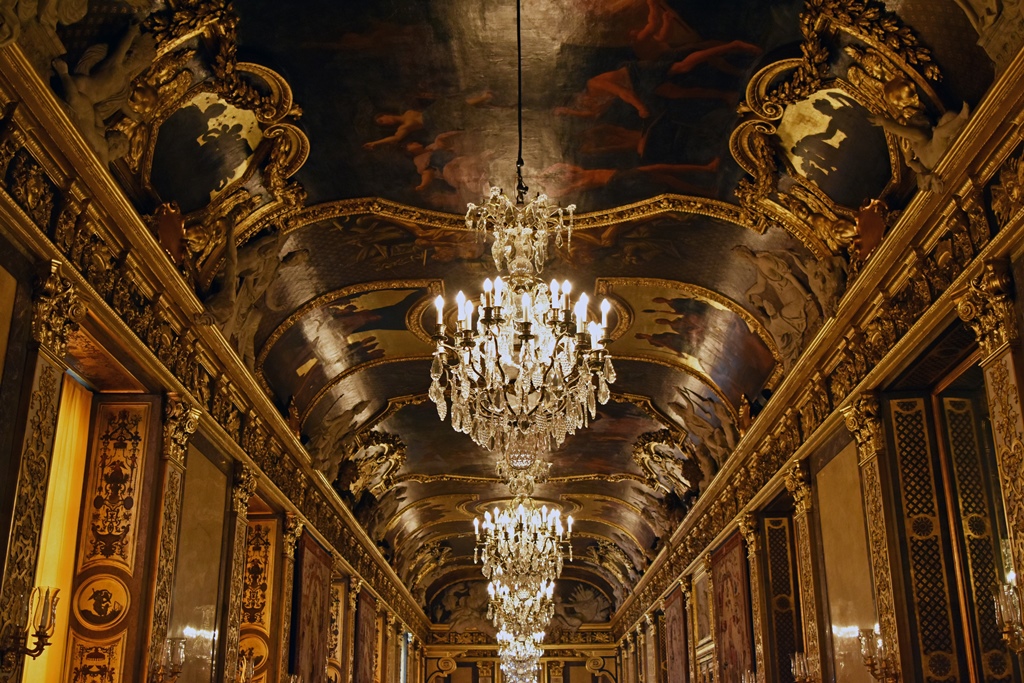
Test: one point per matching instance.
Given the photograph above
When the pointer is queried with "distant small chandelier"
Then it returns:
(529, 369)
(519, 656)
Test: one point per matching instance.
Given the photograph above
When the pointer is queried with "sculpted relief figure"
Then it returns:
(100, 86)
(584, 606)
(663, 461)
(781, 298)
(16, 14)
(249, 288)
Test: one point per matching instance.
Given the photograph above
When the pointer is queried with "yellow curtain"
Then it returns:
(60, 521)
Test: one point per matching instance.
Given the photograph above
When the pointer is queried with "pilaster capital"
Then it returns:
(987, 307)
(292, 531)
(244, 487)
(56, 309)
(798, 485)
(181, 419)
(863, 420)
(748, 528)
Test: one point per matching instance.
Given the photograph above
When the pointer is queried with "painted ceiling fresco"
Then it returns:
(734, 165)
(623, 100)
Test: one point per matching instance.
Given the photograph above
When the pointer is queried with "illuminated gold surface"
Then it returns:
(847, 570)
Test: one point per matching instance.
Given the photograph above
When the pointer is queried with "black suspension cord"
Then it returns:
(521, 188)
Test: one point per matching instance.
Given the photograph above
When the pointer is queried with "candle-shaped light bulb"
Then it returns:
(476, 527)
(439, 305)
(569, 521)
(527, 313)
(595, 334)
(469, 315)
(605, 307)
(566, 288)
(460, 301)
(488, 297)
(555, 291)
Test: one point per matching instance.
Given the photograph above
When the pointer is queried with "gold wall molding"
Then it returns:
(293, 529)
(799, 486)
(748, 525)
(864, 421)
(242, 490)
(181, 419)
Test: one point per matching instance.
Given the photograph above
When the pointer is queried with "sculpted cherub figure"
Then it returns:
(925, 143)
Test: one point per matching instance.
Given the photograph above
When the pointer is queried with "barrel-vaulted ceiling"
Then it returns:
(724, 165)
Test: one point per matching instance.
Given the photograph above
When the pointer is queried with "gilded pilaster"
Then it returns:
(243, 489)
(864, 423)
(650, 653)
(987, 308)
(349, 631)
(181, 418)
(641, 653)
(292, 531)
(686, 587)
(748, 527)
(57, 311)
(798, 484)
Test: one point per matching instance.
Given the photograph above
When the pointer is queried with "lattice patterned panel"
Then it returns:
(782, 596)
(930, 597)
(976, 514)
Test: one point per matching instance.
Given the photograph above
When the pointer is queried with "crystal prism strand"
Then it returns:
(609, 370)
(603, 394)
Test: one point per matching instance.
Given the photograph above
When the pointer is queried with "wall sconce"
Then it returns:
(172, 661)
(42, 608)
(798, 662)
(1008, 615)
(876, 656)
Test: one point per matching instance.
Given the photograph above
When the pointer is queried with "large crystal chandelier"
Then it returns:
(529, 368)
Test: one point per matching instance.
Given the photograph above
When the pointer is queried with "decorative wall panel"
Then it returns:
(312, 610)
(930, 601)
(259, 594)
(783, 613)
(847, 563)
(365, 638)
(111, 585)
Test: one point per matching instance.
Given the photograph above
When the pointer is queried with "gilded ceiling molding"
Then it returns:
(341, 376)
(414, 478)
(433, 286)
(459, 501)
(384, 208)
(605, 286)
(684, 476)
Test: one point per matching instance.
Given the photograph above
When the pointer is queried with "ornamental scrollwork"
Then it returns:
(57, 310)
